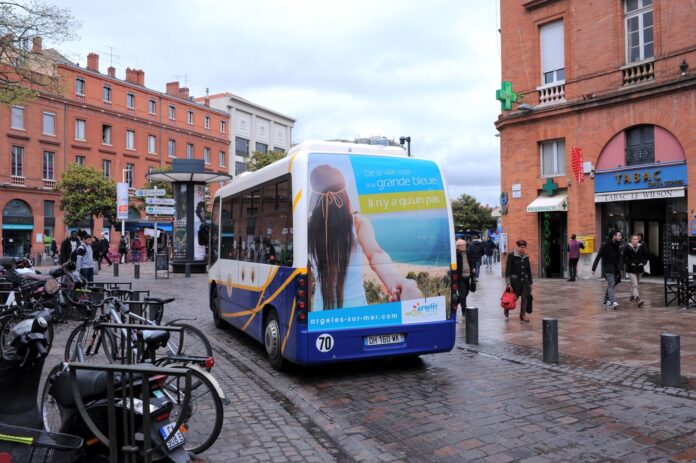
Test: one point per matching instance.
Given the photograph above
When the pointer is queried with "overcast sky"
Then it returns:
(342, 69)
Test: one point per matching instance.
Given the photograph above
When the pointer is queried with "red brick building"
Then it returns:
(603, 137)
(118, 126)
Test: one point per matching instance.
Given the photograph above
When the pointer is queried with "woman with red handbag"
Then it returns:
(518, 273)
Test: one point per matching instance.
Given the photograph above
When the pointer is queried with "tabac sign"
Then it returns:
(650, 177)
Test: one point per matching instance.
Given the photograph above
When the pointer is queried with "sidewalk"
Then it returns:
(628, 336)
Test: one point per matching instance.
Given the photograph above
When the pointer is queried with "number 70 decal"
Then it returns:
(325, 342)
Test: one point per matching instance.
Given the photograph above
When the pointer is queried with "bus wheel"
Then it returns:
(271, 339)
(215, 307)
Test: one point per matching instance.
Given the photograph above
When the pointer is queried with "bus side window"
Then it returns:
(283, 205)
(214, 232)
(227, 229)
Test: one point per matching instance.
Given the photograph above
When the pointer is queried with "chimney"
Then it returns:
(140, 74)
(206, 102)
(111, 71)
(173, 88)
(131, 76)
(36, 44)
(184, 93)
(93, 62)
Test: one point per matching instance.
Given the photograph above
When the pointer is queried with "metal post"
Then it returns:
(188, 270)
(115, 269)
(549, 327)
(670, 354)
(471, 325)
(136, 271)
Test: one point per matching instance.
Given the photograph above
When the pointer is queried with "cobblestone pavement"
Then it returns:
(495, 402)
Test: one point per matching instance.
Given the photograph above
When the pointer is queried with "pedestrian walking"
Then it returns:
(610, 254)
(136, 246)
(123, 250)
(488, 253)
(518, 274)
(635, 257)
(104, 251)
(54, 248)
(68, 247)
(85, 259)
(465, 273)
(475, 253)
(574, 247)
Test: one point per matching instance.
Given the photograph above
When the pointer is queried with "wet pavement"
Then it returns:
(628, 336)
(495, 402)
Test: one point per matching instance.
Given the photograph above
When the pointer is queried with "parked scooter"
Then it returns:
(21, 426)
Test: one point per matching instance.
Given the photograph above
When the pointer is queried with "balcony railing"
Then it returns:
(17, 180)
(80, 97)
(107, 104)
(640, 154)
(131, 191)
(48, 183)
(638, 73)
(551, 94)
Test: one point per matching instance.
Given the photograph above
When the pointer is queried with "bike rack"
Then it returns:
(127, 348)
(129, 451)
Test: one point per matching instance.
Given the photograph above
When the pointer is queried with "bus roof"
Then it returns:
(282, 166)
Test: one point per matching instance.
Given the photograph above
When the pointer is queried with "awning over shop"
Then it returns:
(549, 204)
(17, 226)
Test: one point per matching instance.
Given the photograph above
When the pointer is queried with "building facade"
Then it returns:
(117, 126)
(601, 135)
(254, 128)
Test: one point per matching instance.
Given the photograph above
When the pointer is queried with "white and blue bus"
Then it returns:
(336, 252)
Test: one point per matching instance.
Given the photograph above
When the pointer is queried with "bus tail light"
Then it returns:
(302, 298)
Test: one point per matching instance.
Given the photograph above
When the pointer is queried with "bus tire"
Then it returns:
(272, 341)
(215, 307)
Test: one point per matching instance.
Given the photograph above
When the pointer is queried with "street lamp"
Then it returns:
(403, 140)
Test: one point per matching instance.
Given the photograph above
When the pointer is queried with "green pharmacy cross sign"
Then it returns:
(506, 96)
(549, 187)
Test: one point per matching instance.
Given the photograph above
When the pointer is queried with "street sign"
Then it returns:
(160, 210)
(159, 218)
(152, 192)
(160, 201)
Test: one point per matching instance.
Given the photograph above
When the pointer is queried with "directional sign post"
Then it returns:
(160, 201)
(152, 192)
(160, 210)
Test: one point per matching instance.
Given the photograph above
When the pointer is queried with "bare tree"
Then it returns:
(24, 69)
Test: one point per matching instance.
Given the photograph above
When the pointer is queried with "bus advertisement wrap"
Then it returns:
(378, 242)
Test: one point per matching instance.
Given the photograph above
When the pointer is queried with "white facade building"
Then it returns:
(253, 128)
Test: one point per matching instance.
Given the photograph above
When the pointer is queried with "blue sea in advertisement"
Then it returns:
(419, 238)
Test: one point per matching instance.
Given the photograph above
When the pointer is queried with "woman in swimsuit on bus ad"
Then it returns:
(340, 240)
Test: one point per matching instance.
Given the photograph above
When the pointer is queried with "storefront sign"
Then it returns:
(666, 176)
(640, 194)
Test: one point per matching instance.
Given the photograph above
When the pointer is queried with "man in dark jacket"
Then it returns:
(68, 247)
(104, 251)
(466, 273)
(610, 253)
(475, 253)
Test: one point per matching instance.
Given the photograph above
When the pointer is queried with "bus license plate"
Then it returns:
(384, 339)
(176, 440)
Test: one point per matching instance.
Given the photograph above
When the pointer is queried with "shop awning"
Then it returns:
(549, 204)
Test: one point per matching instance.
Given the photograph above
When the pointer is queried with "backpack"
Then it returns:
(75, 253)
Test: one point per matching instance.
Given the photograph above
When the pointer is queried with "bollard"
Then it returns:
(115, 269)
(471, 320)
(136, 271)
(549, 328)
(670, 369)
(188, 270)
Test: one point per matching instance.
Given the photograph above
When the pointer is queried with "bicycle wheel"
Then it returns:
(203, 416)
(96, 344)
(52, 413)
(194, 342)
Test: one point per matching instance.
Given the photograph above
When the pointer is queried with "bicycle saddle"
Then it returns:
(155, 338)
(158, 300)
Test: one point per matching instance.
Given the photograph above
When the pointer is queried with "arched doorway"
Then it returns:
(640, 188)
(17, 228)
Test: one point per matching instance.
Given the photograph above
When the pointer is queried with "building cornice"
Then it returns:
(594, 101)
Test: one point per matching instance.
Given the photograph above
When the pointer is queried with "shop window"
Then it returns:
(640, 145)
